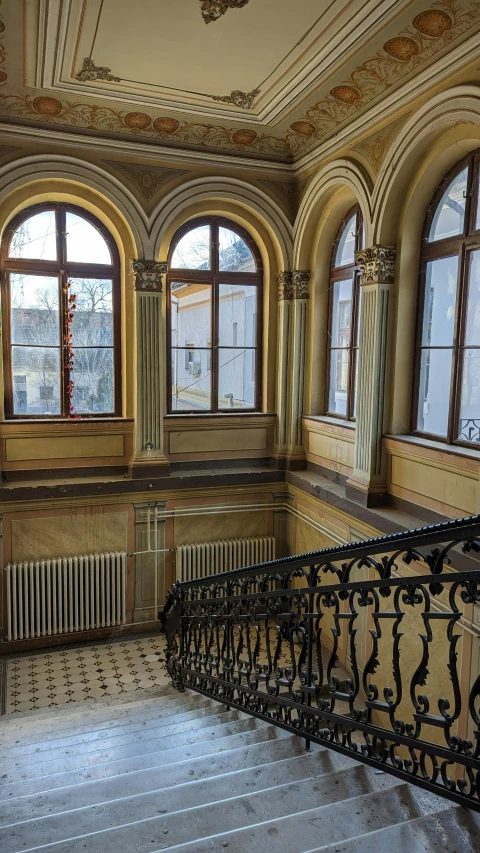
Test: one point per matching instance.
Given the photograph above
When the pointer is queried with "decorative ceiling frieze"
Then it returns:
(148, 180)
(212, 10)
(245, 100)
(90, 71)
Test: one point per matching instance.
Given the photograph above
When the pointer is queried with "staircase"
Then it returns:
(157, 770)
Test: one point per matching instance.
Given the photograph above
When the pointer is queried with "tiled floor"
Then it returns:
(102, 669)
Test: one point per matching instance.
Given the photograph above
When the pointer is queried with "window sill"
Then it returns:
(439, 446)
(218, 415)
(326, 419)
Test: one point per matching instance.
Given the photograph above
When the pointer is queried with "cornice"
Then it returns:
(143, 150)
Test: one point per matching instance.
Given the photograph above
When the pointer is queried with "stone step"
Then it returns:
(221, 740)
(155, 709)
(361, 802)
(112, 738)
(168, 801)
(428, 834)
(262, 755)
(229, 722)
(80, 715)
(331, 824)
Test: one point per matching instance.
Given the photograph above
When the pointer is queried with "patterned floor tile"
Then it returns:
(62, 677)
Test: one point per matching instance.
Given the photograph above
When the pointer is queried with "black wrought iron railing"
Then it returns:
(367, 648)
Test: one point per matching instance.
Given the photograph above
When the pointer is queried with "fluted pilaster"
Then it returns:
(377, 265)
(150, 362)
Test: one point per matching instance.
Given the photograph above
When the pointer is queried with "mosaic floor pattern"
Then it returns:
(52, 678)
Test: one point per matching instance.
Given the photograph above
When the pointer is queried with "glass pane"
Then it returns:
(36, 238)
(193, 250)
(34, 312)
(85, 244)
(236, 379)
(341, 313)
(191, 315)
(434, 391)
(440, 301)
(237, 315)
(93, 381)
(36, 381)
(90, 302)
(472, 332)
(450, 213)
(233, 253)
(477, 221)
(346, 247)
(337, 396)
(191, 379)
(469, 427)
(359, 316)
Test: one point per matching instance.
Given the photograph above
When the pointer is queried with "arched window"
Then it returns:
(214, 324)
(61, 315)
(446, 403)
(344, 313)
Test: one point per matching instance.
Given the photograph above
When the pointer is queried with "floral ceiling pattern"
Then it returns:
(400, 57)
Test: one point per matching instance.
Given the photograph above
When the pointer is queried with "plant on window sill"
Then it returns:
(72, 415)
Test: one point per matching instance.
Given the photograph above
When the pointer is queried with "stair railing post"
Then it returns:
(311, 599)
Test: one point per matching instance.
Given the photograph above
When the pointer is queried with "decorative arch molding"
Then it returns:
(427, 146)
(188, 199)
(36, 169)
(340, 174)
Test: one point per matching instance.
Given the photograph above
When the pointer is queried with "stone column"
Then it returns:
(149, 460)
(368, 481)
(284, 321)
(295, 454)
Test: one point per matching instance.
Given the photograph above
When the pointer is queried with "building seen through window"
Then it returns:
(344, 312)
(61, 323)
(215, 291)
(447, 379)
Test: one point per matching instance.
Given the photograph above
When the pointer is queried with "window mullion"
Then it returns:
(459, 344)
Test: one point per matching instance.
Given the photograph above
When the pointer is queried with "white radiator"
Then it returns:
(210, 558)
(65, 595)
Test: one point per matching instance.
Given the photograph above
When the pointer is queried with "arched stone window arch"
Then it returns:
(344, 312)
(446, 402)
(214, 326)
(61, 315)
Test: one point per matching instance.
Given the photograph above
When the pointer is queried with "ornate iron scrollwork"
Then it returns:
(355, 647)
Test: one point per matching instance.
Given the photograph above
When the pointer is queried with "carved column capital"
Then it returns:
(149, 275)
(285, 285)
(301, 284)
(377, 264)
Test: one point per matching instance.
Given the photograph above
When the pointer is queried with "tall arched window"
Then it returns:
(214, 324)
(344, 313)
(446, 402)
(61, 315)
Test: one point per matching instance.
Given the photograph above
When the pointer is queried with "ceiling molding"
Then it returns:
(343, 37)
(245, 100)
(100, 145)
(212, 10)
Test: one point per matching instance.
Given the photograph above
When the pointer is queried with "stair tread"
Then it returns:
(118, 737)
(204, 729)
(421, 835)
(222, 743)
(130, 714)
(365, 802)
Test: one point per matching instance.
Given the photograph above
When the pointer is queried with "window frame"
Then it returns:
(215, 277)
(460, 246)
(341, 274)
(63, 270)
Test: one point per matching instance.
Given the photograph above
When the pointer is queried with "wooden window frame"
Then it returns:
(461, 246)
(342, 274)
(215, 277)
(63, 270)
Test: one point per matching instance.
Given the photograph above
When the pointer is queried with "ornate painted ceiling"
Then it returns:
(269, 78)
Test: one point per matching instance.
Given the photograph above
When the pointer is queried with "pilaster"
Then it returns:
(295, 455)
(284, 320)
(368, 481)
(149, 456)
